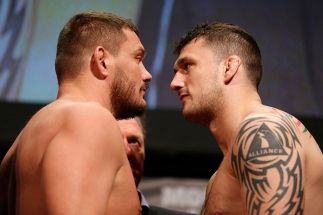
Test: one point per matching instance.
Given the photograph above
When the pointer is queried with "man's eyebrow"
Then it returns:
(142, 51)
(180, 61)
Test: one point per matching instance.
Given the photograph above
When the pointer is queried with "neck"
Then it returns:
(235, 110)
(76, 92)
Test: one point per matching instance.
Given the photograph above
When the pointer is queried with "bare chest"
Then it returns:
(224, 196)
(124, 198)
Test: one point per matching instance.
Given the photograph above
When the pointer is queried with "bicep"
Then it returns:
(268, 160)
(78, 171)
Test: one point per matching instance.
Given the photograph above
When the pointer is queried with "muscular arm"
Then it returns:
(80, 164)
(268, 160)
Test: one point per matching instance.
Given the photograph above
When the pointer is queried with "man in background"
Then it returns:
(70, 158)
(272, 164)
(134, 137)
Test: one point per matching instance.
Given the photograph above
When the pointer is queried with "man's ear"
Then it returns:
(100, 57)
(231, 65)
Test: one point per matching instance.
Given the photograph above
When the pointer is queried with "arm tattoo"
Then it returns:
(266, 146)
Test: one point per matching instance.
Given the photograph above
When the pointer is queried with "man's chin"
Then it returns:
(141, 110)
(188, 117)
(191, 116)
(198, 116)
(186, 113)
(132, 111)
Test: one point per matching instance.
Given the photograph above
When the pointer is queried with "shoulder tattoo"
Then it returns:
(266, 147)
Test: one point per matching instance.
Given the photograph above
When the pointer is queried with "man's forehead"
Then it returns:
(191, 49)
(132, 42)
(196, 43)
(129, 124)
(131, 35)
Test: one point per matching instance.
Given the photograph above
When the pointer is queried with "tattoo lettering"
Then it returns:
(265, 143)
(268, 165)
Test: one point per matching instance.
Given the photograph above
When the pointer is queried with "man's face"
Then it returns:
(135, 147)
(130, 81)
(196, 82)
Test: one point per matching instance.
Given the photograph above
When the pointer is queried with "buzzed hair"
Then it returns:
(82, 34)
(226, 40)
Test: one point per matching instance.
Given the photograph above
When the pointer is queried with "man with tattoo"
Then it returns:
(70, 157)
(271, 164)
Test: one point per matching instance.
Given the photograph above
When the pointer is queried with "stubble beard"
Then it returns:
(205, 107)
(123, 97)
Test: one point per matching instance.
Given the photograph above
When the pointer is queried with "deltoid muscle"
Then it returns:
(267, 149)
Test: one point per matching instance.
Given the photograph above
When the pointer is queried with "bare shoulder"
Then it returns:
(274, 125)
(275, 128)
(268, 135)
(70, 121)
(90, 124)
(87, 124)
(86, 113)
(268, 158)
(89, 145)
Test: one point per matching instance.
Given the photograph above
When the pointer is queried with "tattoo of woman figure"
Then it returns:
(268, 165)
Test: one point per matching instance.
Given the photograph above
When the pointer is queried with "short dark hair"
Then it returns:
(141, 120)
(226, 40)
(83, 33)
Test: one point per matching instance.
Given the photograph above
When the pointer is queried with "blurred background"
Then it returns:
(180, 156)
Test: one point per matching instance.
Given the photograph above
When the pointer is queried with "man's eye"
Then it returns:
(133, 141)
(139, 59)
(187, 65)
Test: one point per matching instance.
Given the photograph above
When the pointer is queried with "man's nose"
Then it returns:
(177, 82)
(146, 76)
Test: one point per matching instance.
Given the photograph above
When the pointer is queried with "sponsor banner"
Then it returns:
(182, 194)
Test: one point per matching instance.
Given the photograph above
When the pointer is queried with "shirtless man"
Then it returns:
(272, 164)
(70, 157)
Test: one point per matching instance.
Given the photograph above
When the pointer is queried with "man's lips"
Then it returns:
(144, 87)
(182, 96)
